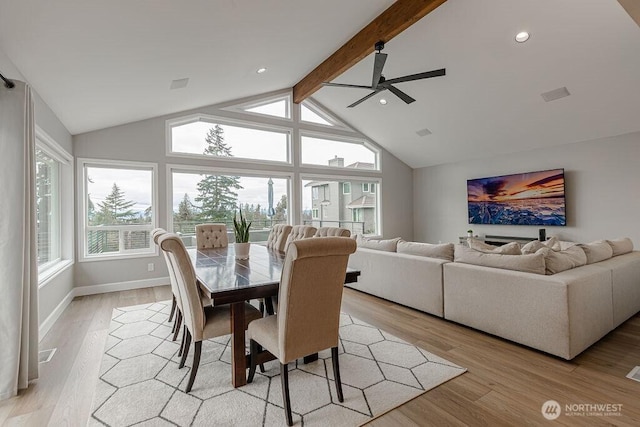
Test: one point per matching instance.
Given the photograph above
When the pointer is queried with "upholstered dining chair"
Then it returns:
(308, 315)
(201, 322)
(332, 232)
(299, 232)
(211, 236)
(278, 235)
(176, 304)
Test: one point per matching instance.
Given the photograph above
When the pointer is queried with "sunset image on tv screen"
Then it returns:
(533, 198)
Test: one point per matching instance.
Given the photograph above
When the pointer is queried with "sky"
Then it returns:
(136, 185)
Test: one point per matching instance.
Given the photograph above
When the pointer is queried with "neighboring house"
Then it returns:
(348, 204)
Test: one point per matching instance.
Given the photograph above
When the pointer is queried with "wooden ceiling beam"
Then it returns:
(633, 9)
(397, 18)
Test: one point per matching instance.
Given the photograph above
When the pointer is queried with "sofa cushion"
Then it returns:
(557, 261)
(442, 251)
(388, 245)
(621, 246)
(535, 245)
(597, 251)
(511, 248)
(530, 263)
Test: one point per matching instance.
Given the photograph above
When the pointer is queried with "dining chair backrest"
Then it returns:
(155, 234)
(332, 232)
(310, 295)
(192, 309)
(278, 235)
(299, 232)
(211, 236)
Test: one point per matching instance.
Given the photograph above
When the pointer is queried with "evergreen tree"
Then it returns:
(185, 209)
(115, 209)
(281, 208)
(216, 193)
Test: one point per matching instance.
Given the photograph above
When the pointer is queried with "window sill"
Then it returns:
(45, 277)
(115, 257)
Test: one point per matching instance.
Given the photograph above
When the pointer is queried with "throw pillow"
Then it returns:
(621, 246)
(442, 251)
(530, 263)
(553, 243)
(532, 247)
(597, 251)
(378, 244)
(511, 248)
(557, 261)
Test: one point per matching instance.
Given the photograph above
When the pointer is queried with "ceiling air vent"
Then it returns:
(423, 132)
(179, 83)
(555, 94)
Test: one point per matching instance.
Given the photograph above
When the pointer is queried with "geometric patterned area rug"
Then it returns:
(140, 383)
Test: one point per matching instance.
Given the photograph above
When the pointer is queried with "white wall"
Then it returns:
(55, 291)
(602, 191)
(145, 141)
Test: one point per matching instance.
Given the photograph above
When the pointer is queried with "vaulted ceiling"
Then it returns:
(100, 64)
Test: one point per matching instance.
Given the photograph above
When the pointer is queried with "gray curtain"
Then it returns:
(18, 263)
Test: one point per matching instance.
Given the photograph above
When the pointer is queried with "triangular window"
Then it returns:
(278, 108)
(308, 115)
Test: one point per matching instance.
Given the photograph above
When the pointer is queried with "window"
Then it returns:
(54, 207)
(278, 108)
(346, 188)
(326, 151)
(308, 115)
(365, 187)
(214, 196)
(358, 213)
(119, 208)
(47, 209)
(224, 139)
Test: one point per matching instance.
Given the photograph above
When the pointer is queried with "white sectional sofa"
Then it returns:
(561, 314)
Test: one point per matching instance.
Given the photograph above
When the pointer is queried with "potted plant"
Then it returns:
(469, 233)
(241, 230)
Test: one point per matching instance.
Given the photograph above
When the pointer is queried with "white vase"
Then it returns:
(242, 250)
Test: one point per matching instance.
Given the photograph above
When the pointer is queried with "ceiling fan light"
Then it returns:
(522, 37)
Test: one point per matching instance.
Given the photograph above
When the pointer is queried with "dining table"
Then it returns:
(228, 280)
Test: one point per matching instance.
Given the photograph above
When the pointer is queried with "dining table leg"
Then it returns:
(238, 357)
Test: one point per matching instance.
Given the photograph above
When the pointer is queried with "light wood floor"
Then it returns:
(506, 384)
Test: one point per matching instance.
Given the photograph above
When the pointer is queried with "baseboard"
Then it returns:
(55, 314)
(120, 286)
(79, 291)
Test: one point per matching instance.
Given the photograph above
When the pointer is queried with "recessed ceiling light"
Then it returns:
(383, 101)
(261, 70)
(522, 37)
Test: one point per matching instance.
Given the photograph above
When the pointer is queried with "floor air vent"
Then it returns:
(46, 355)
(634, 374)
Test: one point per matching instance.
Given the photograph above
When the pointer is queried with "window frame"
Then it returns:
(344, 186)
(64, 208)
(255, 173)
(341, 178)
(339, 138)
(213, 120)
(82, 164)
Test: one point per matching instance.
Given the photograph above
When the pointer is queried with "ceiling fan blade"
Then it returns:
(345, 85)
(363, 99)
(400, 94)
(378, 65)
(428, 74)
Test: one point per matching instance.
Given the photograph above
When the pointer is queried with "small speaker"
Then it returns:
(542, 234)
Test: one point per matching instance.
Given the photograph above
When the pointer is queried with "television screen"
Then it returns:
(532, 198)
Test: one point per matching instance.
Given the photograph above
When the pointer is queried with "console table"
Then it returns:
(499, 240)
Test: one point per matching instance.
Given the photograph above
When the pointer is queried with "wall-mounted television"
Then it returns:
(532, 198)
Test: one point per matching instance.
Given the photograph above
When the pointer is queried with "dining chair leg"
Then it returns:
(196, 362)
(261, 306)
(253, 356)
(336, 372)
(268, 302)
(185, 350)
(173, 308)
(284, 377)
(178, 323)
(184, 334)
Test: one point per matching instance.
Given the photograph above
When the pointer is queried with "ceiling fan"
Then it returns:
(379, 83)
